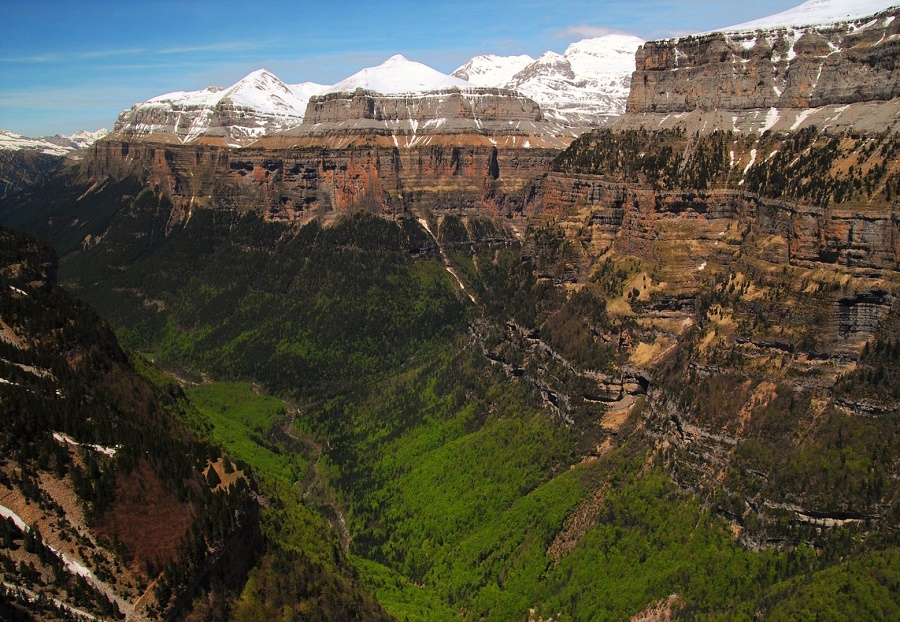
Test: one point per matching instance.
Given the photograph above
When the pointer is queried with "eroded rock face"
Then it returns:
(297, 184)
(630, 216)
(481, 116)
(640, 221)
(786, 68)
(486, 105)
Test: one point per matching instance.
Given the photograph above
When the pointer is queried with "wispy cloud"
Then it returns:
(110, 53)
(586, 31)
(227, 46)
(64, 98)
(38, 58)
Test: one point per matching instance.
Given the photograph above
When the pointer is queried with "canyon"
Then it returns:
(461, 358)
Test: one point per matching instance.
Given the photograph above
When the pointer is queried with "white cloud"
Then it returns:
(56, 57)
(586, 31)
(228, 46)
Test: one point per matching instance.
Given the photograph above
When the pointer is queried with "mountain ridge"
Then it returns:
(257, 104)
(814, 13)
(57, 145)
(584, 86)
(572, 100)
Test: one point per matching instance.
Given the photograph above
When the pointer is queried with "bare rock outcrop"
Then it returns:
(478, 116)
(302, 183)
(784, 71)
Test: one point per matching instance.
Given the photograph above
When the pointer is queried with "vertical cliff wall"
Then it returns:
(297, 184)
(783, 71)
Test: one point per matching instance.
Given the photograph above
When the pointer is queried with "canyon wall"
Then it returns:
(683, 227)
(297, 184)
(692, 227)
(786, 70)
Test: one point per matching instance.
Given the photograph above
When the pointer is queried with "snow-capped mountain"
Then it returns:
(815, 12)
(398, 75)
(582, 87)
(585, 85)
(58, 145)
(491, 70)
(257, 104)
(406, 104)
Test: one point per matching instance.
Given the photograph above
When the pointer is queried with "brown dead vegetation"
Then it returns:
(146, 517)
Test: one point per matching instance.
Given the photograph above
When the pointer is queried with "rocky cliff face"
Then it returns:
(485, 105)
(449, 116)
(97, 489)
(641, 221)
(298, 184)
(786, 72)
(20, 170)
(820, 200)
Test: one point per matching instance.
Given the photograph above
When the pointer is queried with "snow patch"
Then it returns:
(805, 114)
(5, 512)
(72, 566)
(815, 12)
(771, 119)
(749, 164)
(65, 439)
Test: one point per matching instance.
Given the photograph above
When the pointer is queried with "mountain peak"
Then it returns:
(584, 86)
(257, 103)
(492, 70)
(398, 75)
(58, 145)
(260, 75)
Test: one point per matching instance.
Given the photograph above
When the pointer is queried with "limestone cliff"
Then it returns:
(302, 183)
(779, 78)
(477, 116)
(823, 200)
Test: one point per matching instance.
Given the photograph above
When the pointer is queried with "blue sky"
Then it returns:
(75, 64)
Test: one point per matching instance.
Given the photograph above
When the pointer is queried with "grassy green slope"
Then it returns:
(466, 504)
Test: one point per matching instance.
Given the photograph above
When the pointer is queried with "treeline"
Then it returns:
(806, 165)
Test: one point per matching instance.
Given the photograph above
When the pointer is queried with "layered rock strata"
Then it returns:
(693, 227)
(448, 116)
(257, 105)
(298, 184)
(754, 80)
